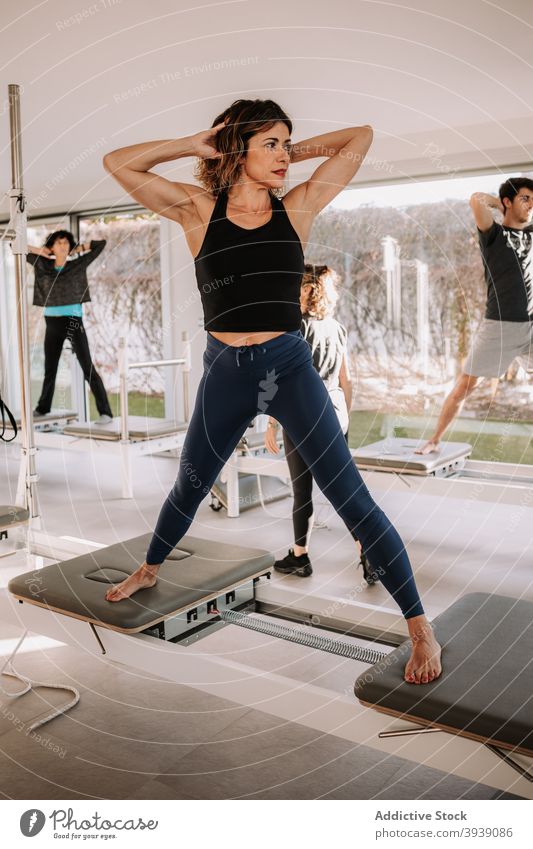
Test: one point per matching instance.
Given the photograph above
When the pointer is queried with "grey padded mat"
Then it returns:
(398, 455)
(139, 427)
(53, 417)
(197, 570)
(10, 516)
(486, 688)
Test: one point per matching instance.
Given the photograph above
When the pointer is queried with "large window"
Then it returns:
(125, 285)
(37, 233)
(413, 293)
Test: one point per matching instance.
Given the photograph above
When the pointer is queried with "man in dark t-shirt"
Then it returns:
(506, 332)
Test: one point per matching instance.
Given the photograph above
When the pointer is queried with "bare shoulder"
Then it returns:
(196, 216)
(202, 200)
(300, 216)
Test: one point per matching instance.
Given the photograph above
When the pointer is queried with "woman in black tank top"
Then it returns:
(247, 242)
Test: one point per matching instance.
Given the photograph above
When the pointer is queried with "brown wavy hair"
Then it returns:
(244, 118)
(323, 295)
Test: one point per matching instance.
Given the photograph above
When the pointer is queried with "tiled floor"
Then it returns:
(130, 737)
(136, 736)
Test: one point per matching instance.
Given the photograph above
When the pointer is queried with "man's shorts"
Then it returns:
(495, 346)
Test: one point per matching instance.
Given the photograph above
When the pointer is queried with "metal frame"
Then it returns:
(501, 483)
(17, 234)
(48, 434)
(124, 366)
(410, 730)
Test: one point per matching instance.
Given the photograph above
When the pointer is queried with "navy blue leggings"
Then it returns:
(278, 378)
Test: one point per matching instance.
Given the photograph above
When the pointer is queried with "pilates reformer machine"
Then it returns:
(481, 706)
(392, 464)
(126, 437)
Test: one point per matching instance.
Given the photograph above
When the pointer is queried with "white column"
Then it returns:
(422, 315)
(393, 278)
(181, 310)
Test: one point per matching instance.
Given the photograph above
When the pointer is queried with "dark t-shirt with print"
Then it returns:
(508, 260)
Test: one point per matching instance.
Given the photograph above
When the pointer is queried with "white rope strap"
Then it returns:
(8, 669)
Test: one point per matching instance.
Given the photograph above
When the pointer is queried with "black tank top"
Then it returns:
(249, 280)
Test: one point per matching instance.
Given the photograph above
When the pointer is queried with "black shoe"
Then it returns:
(292, 565)
(368, 574)
(38, 413)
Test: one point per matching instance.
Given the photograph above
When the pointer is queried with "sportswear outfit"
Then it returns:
(62, 290)
(249, 280)
(506, 331)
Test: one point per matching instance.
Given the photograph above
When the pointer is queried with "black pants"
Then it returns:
(302, 488)
(59, 328)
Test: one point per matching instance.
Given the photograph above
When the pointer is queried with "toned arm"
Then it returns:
(482, 206)
(345, 151)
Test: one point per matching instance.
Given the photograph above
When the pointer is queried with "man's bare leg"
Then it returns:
(424, 664)
(143, 577)
(450, 409)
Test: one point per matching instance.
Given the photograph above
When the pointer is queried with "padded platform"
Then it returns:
(51, 418)
(398, 455)
(199, 570)
(55, 416)
(486, 689)
(139, 427)
(11, 516)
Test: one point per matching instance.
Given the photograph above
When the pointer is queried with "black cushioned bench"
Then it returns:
(486, 689)
(139, 428)
(198, 571)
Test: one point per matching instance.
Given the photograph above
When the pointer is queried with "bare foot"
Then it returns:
(429, 448)
(424, 664)
(145, 576)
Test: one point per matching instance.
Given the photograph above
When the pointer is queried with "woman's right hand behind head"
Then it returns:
(204, 142)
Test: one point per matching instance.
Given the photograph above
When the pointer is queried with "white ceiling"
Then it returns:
(445, 83)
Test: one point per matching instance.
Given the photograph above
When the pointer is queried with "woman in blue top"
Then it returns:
(61, 287)
(247, 246)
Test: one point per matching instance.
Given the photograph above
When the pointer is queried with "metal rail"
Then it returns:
(184, 362)
(28, 477)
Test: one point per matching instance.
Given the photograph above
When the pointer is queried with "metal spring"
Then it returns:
(303, 637)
